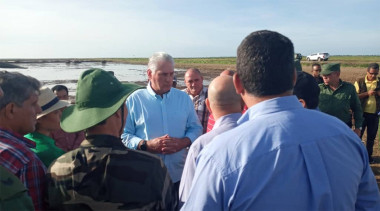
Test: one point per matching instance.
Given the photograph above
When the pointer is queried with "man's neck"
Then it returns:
(369, 79)
(194, 95)
(334, 86)
(9, 128)
(157, 91)
(251, 100)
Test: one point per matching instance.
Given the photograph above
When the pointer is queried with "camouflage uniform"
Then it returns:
(103, 175)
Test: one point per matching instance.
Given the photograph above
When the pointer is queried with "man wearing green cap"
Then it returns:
(102, 174)
(338, 97)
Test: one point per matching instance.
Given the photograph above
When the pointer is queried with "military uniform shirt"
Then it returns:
(339, 102)
(104, 175)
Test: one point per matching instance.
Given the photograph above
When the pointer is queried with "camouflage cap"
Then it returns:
(99, 95)
(330, 68)
(297, 65)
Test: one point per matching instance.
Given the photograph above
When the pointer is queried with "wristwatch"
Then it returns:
(143, 146)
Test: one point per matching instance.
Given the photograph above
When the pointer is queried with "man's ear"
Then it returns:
(302, 101)
(149, 73)
(9, 110)
(208, 105)
(238, 84)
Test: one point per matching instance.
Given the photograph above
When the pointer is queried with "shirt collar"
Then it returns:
(153, 93)
(26, 141)
(367, 81)
(225, 118)
(203, 91)
(271, 106)
(328, 86)
(102, 141)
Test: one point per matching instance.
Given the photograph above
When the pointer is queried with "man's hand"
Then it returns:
(173, 145)
(357, 131)
(371, 92)
(156, 145)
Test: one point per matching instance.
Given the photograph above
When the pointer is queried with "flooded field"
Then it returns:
(51, 74)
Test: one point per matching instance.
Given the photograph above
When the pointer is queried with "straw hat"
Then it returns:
(99, 95)
(49, 102)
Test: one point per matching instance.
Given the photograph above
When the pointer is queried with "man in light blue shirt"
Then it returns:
(161, 119)
(281, 156)
(226, 106)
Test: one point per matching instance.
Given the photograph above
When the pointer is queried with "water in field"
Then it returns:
(51, 74)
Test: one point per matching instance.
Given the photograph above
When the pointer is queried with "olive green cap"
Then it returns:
(99, 95)
(330, 68)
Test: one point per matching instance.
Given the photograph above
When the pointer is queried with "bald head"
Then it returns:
(227, 72)
(222, 93)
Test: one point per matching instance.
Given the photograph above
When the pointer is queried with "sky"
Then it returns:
(138, 28)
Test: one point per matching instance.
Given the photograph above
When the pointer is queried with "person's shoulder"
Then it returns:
(64, 164)
(18, 151)
(179, 93)
(349, 86)
(138, 95)
(203, 140)
(139, 92)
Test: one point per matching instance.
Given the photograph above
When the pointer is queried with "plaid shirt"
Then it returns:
(200, 107)
(18, 159)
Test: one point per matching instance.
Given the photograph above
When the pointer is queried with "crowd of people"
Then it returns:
(266, 137)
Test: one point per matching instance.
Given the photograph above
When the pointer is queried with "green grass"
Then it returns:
(346, 61)
(208, 60)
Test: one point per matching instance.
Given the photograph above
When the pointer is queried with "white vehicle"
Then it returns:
(318, 56)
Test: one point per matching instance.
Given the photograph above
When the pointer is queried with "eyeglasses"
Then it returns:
(377, 73)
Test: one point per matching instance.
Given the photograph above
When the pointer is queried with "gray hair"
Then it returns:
(16, 87)
(157, 58)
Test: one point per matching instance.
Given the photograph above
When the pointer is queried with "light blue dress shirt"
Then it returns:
(284, 157)
(222, 125)
(151, 116)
